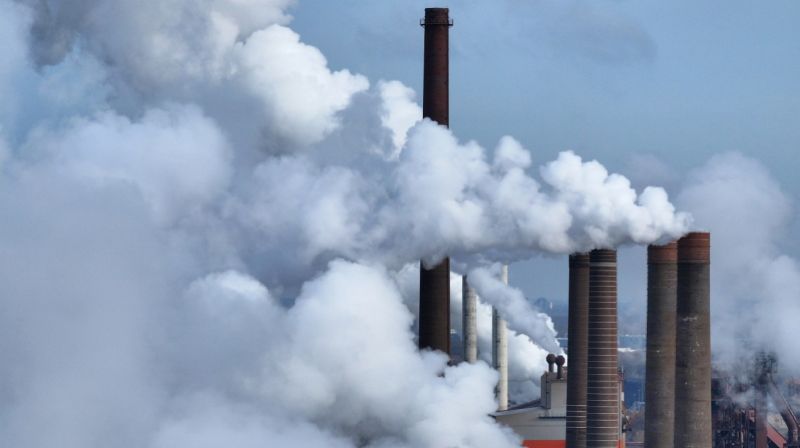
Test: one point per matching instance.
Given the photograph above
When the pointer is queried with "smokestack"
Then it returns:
(434, 282)
(469, 321)
(578, 341)
(500, 350)
(662, 286)
(693, 357)
(602, 396)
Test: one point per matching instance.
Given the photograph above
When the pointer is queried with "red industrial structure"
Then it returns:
(751, 424)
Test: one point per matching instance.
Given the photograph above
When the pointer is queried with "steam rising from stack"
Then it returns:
(236, 309)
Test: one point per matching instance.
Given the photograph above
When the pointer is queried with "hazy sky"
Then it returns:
(650, 88)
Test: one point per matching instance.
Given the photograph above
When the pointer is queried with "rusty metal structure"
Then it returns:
(434, 281)
(738, 425)
(578, 346)
(693, 355)
(602, 396)
(662, 283)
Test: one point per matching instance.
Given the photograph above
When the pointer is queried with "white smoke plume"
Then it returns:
(442, 197)
(526, 358)
(203, 225)
(517, 311)
(754, 282)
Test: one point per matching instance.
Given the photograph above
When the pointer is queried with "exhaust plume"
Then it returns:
(737, 199)
(205, 228)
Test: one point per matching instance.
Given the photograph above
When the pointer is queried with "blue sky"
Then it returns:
(677, 80)
(650, 88)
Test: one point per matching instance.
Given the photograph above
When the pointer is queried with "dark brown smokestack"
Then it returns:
(602, 395)
(578, 345)
(434, 282)
(436, 82)
(693, 356)
(662, 290)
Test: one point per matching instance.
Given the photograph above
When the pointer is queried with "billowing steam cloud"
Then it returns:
(538, 326)
(755, 282)
(205, 231)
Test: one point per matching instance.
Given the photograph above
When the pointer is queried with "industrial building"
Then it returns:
(542, 423)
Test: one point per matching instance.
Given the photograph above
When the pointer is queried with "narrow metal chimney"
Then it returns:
(693, 355)
(602, 396)
(469, 321)
(662, 284)
(578, 341)
(500, 350)
(560, 361)
(434, 281)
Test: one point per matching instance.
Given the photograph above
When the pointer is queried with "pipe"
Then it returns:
(577, 347)
(469, 321)
(434, 281)
(793, 428)
(551, 362)
(602, 397)
(693, 351)
(662, 295)
(560, 360)
(500, 350)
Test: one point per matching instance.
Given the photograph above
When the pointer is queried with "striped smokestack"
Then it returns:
(469, 321)
(602, 396)
(693, 356)
(434, 281)
(662, 284)
(578, 340)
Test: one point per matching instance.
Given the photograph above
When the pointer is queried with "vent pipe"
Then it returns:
(500, 350)
(693, 355)
(602, 396)
(434, 281)
(469, 321)
(662, 285)
(577, 340)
